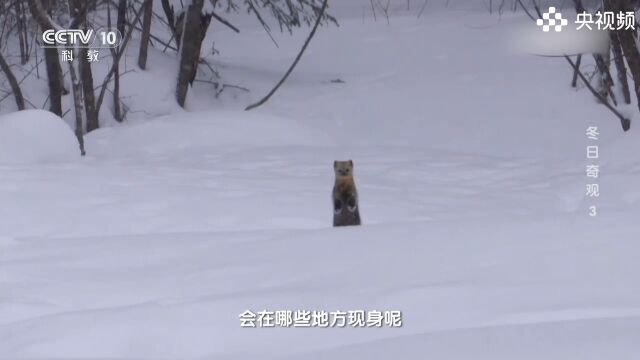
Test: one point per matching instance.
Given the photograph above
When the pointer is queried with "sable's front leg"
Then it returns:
(351, 204)
(337, 206)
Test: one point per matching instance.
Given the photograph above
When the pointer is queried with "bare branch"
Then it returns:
(17, 93)
(116, 60)
(295, 62)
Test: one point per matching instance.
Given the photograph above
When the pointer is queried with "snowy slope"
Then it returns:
(551, 289)
(470, 164)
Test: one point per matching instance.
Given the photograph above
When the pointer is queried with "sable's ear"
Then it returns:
(335, 164)
(351, 163)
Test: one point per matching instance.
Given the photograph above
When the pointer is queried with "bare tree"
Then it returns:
(171, 21)
(191, 26)
(21, 23)
(15, 87)
(120, 24)
(194, 28)
(602, 65)
(574, 81)
(628, 43)
(188, 27)
(117, 55)
(621, 69)
(88, 92)
(51, 57)
(146, 33)
(624, 121)
(45, 22)
(76, 89)
(78, 12)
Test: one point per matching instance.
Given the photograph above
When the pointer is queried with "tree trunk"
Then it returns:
(621, 68)
(22, 32)
(146, 33)
(170, 14)
(120, 23)
(122, 16)
(606, 81)
(86, 75)
(54, 71)
(78, 12)
(191, 41)
(179, 28)
(574, 81)
(628, 44)
(117, 112)
(15, 87)
(76, 89)
(117, 55)
(602, 65)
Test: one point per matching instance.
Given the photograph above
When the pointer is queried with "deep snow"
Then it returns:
(522, 289)
(470, 164)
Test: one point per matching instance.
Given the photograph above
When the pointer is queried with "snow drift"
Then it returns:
(35, 136)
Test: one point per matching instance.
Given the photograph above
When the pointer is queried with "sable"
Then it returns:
(346, 210)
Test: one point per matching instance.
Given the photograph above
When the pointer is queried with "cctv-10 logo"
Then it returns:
(65, 38)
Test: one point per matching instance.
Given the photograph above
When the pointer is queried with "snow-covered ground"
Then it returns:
(470, 161)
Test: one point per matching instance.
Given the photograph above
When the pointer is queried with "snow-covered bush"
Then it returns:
(35, 136)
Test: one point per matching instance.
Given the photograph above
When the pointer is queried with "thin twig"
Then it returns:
(424, 6)
(295, 62)
(225, 22)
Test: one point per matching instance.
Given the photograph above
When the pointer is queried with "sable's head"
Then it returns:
(343, 168)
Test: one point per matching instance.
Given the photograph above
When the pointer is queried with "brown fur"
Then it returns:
(346, 209)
